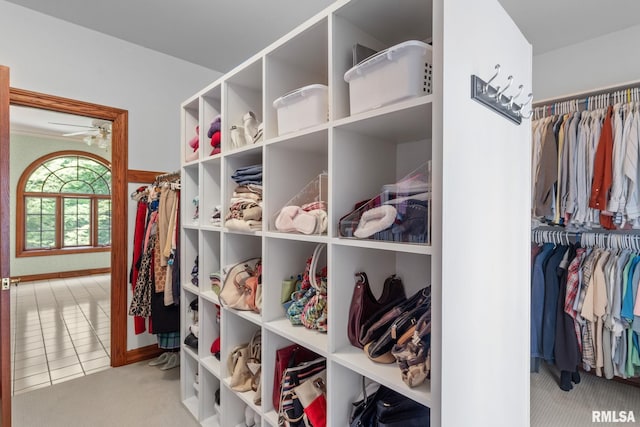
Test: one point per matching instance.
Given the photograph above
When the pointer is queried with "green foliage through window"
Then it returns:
(67, 204)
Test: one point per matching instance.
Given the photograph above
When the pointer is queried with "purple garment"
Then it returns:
(215, 126)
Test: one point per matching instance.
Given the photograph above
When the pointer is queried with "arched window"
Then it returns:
(64, 205)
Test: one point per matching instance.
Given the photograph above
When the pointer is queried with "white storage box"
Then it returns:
(302, 108)
(399, 72)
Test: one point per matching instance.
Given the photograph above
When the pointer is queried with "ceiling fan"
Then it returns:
(99, 132)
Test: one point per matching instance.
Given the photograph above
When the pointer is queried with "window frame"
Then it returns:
(22, 195)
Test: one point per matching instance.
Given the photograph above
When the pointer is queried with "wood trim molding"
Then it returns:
(119, 166)
(143, 353)
(141, 176)
(62, 274)
(5, 218)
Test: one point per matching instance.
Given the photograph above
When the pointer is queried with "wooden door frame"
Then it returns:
(5, 215)
(119, 214)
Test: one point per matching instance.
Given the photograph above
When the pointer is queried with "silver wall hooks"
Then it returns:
(497, 99)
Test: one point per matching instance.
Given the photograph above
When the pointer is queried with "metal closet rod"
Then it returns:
(168, 176)
(582, 97)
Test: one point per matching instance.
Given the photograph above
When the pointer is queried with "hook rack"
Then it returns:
(496, 99)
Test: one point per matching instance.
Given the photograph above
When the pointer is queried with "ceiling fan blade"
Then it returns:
(69, 124)
(84, 132)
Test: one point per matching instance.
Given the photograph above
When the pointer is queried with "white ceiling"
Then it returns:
(220, 34)
(35, 121)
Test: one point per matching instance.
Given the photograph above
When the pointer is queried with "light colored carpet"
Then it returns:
(553, 407)
(135, 395)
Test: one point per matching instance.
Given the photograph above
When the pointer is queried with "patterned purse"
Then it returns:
(413, 353)
(314, 313)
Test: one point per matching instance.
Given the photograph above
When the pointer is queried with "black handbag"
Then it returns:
(396, 410)
(393, 324)
(387, 408)
(380, 322)
(191, 340)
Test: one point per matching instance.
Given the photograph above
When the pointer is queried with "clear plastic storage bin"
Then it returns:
(401, 212)
(399, 72)
(302, 108)
(306, 212)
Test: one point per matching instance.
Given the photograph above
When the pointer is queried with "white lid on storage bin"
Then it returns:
(302, 108)
(302, 92)
(387, 54)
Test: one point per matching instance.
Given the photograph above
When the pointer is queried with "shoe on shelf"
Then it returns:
(172, 362)
(249, 417)
(160, 360)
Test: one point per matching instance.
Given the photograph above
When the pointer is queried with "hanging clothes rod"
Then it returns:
(168, 177)
(581, 98)
(618, 239)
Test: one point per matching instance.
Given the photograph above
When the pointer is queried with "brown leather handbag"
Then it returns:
(364, 304)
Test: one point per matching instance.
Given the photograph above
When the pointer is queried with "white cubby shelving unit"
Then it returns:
(476, 263)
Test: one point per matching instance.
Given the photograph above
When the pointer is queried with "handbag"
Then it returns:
(312, 396)
(253, 289)
(236, 292)
(382, 320)
(301, 298)
(191, 340)
(289, 287)
(387, 408)
(414, 354)
(243, 363)
(379, 350)
(364, 304)
(314, 313)
(237, 366)
(291, 412)
(396, 410)
(288, 357)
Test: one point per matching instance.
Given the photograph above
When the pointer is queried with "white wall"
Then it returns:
(610, 60)
(25, 149)
(49, 55)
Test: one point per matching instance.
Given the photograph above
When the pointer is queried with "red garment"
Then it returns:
(138, 242)
(602, 174)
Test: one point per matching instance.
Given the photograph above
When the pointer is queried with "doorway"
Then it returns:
(60, 169)
(119, 161)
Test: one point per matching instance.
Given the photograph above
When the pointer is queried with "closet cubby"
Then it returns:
(286, 258)
(209, 331)
(299, 61)
(211, 193)
(243, 93)
(209, 383)
(190, 188)
(233, 413)
(293, 164)
(190, 125)
(360, 154)
(211, 109)
(376, 27)
(188, 372)
(209, 262)
(190, 251)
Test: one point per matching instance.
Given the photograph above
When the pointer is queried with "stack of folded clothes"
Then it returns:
(245, 209)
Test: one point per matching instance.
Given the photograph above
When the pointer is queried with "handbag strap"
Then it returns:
(314, 264)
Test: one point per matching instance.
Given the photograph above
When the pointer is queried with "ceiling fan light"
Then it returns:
(103, 143)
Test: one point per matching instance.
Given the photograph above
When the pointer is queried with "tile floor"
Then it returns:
(60, 330)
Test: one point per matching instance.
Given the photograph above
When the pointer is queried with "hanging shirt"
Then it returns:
(618, 184)
(602, 175)
(547, 174)
(632, 168)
